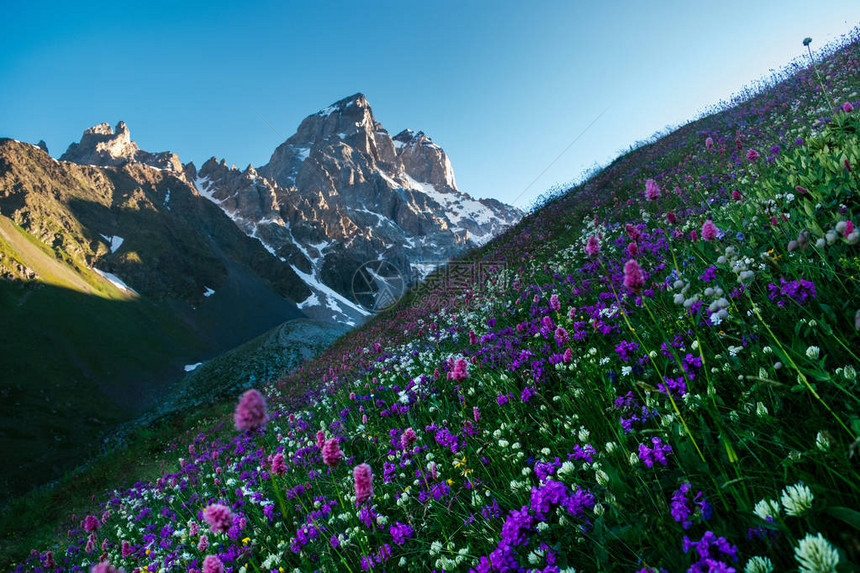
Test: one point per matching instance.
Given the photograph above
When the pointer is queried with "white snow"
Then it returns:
(456, 208)
(332, 298)
(398, 144)
(191, 367)
(167, 199)
(115, 280)
(302, 152)
(114, 242)
(312, 300)
(209, 292)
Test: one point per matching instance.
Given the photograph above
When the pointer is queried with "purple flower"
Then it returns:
(400, 532)
(658, 453)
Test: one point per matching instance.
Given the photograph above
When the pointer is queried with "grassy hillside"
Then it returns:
(655, 372)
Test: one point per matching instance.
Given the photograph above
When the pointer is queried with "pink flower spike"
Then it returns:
(219, 517)
(709, 230)
(331, 453)
(709, 143)
(736, 195)
(363, 476)
(633, 278)
(592, 247)
(847, 107)
(251, 411)
(652, 190)
(752, 155)
(212, 564)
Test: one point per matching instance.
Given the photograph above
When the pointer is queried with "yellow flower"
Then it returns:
(246, 540)
(450, 481)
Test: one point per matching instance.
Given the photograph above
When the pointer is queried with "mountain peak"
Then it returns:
(105, 146)
(358, 100)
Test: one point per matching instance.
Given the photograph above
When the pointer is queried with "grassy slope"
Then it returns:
(734, 435)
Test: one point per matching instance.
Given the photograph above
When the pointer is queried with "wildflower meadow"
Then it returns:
(658, 374)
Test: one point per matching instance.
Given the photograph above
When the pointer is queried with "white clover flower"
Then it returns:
(583, 434)
(761, 410)
(849, 373)
(435, 547)
(796, 499)
(626, 370)
(813, 352)
(822, 442)
(611, 447)
(759, 565)
(767, 508)
(634, 458)
(602, 477)
(816, 555)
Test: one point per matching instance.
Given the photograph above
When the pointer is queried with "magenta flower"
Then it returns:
(671, 218)
(752, 155)
(652, 190)
(709, 230)
(331, 453)
(127, 550)
(212, 564)
(736, 195)
(633, 278)
(709, 143)
(203, 544)
(105, 567)
(847, 107)
(320, 439)
(91, 523)
(633, 249)
(554, 303)
(476, 414)
(407, 438)
(363, 476)
(279, 465)
(568, 356)
(459, 372)
(592, 247)
(251, 411)
(219, 517)
(694, 235)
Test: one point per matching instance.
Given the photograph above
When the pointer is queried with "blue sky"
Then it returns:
(503, 86)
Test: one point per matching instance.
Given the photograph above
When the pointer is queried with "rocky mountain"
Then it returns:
(341, 192)
(120, 266)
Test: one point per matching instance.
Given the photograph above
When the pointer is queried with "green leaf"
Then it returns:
(845, 514)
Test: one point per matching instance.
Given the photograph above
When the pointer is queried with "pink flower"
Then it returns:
(363, 476)
(473, 338)
(847, 164)
(320, 439)
(554, 303)
(203, 544)
(849, 228)
(736, 195)
(652, 190)
(800, 189)
(279, 466)
(752, 155)
(459, 372)
(431, 471)
(709, 230)
(568, 356)
(633, 279)
(632, 231)
(633, 249)
(331, 453)
(212, 564)
(105, 567)
(407, 438)
(476, 414)
(694, 235)
(592, 247)
(847, 107)
(91, 523)
(219, 517)
(671, 218)
(251, 411)
(709, 143)
(127, 550)
(677, 190)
